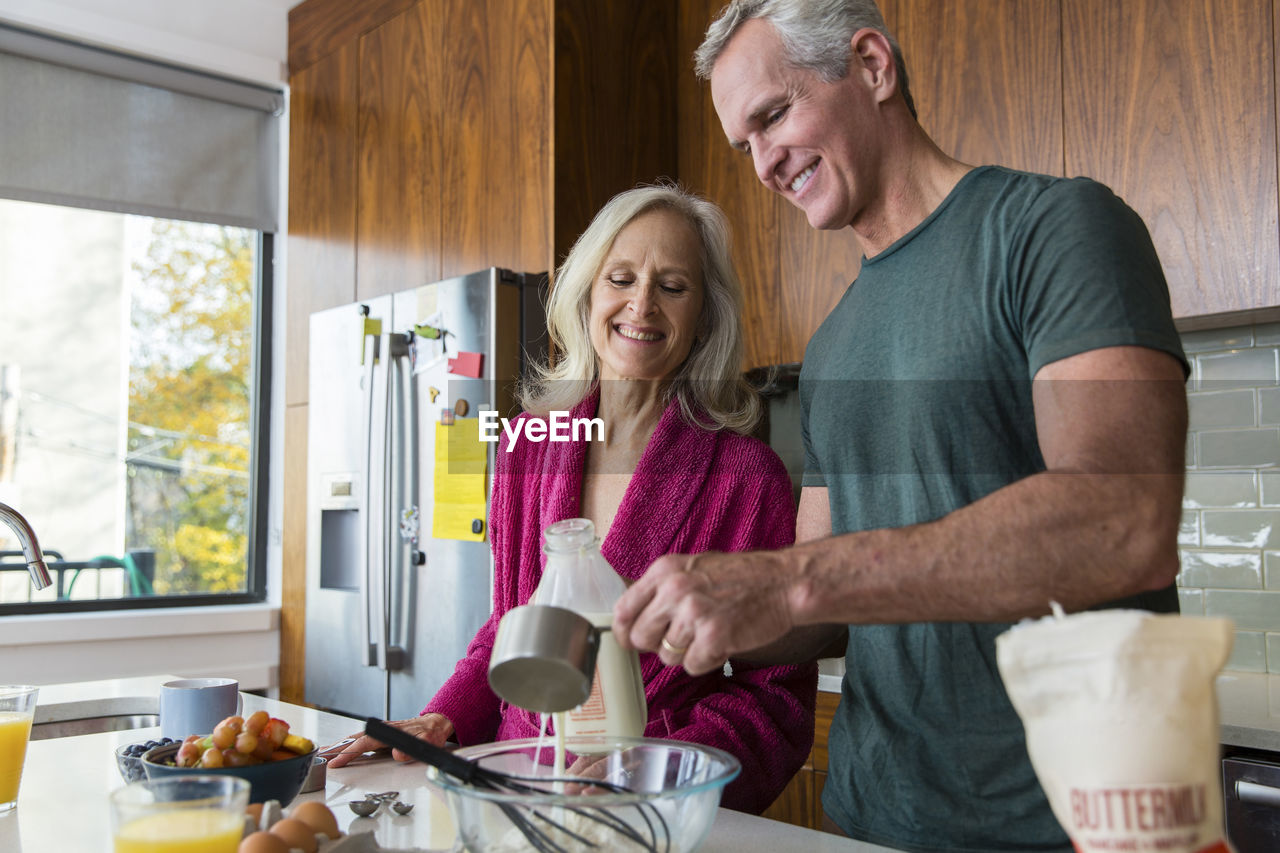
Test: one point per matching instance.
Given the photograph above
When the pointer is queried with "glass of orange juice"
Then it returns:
(179, 814)
(17, 706)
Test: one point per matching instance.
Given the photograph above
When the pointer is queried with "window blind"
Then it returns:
(86, 127)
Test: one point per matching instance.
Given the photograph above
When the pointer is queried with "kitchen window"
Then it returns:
(138, 203)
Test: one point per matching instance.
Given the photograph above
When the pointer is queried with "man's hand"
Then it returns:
(699, 610)
(433, 728)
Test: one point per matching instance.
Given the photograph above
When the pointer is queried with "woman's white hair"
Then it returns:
(816, 35)
(709, 384)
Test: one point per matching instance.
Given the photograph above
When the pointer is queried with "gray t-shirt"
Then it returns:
(916, 401)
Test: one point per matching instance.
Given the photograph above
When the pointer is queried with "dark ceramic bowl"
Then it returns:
(271, 780)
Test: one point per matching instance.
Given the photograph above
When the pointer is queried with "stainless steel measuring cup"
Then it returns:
(544, 658)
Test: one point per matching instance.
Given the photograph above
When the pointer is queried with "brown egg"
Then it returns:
(317, 816)
(295, 833)
(254, 810)
(263, 842)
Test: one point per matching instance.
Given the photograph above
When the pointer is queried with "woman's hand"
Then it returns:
(435, 729)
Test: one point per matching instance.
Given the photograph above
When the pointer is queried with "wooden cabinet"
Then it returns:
(615, 115)
(322, 202)
(322, 274)
(1172, 104)
(986, 78)
(452, 145)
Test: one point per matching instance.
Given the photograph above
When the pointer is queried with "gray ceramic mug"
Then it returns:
(193, 706)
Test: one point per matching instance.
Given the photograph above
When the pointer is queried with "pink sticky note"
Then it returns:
(467, 364)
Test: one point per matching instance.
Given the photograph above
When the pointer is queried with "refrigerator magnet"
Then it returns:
(468, 364)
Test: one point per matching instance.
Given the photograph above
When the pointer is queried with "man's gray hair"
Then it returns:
(816, 35)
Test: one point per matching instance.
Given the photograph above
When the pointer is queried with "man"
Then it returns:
(994, 417)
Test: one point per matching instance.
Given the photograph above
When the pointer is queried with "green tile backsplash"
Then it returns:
(1231, 448)
(1271, 562)
(1219, 409)
(1249, 652)
(1223, 489)
(1229, 539)
(1237, 368)
(1223, 569)
(1268, 405)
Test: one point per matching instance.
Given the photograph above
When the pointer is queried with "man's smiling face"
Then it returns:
(812, 142)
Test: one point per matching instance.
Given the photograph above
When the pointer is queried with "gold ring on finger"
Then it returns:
(673, 649)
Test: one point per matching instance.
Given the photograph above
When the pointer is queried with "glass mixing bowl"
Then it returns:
(675, 788)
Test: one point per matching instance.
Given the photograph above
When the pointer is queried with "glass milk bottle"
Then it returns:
(578, 578)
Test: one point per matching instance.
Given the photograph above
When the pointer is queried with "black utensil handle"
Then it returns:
(421, 750)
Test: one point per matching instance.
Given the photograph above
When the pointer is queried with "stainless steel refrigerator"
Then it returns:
(390, 607)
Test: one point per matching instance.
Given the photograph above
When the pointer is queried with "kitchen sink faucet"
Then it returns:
(30, 547)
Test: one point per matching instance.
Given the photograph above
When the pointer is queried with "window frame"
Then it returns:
(259, 476)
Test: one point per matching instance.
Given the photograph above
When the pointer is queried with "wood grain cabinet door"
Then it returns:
(986, 77)
(1172, 104)
(322, 202)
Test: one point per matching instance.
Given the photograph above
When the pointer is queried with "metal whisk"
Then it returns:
(654, 838)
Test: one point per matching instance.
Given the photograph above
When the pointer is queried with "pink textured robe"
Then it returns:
(692, 491)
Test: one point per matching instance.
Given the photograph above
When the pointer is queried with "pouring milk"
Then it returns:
(578, 578)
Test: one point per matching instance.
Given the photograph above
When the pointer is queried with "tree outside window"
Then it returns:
(127, 348)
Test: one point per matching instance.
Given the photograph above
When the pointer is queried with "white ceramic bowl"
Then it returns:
(675, 790)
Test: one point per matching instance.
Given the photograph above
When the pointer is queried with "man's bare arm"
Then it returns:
(1099, 524)
(809, 642)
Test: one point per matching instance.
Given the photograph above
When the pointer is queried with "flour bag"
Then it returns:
(1122, 725)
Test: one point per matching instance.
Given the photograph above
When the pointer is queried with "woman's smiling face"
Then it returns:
(646, 300)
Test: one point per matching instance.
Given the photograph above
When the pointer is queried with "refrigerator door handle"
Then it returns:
(367, 654)
(403, 460)
(387, 516)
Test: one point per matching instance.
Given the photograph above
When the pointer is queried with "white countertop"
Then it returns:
(62, 804)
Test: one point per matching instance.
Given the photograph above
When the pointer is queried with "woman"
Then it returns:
(645, 319)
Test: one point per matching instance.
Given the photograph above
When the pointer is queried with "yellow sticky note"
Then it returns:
(461, 464)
